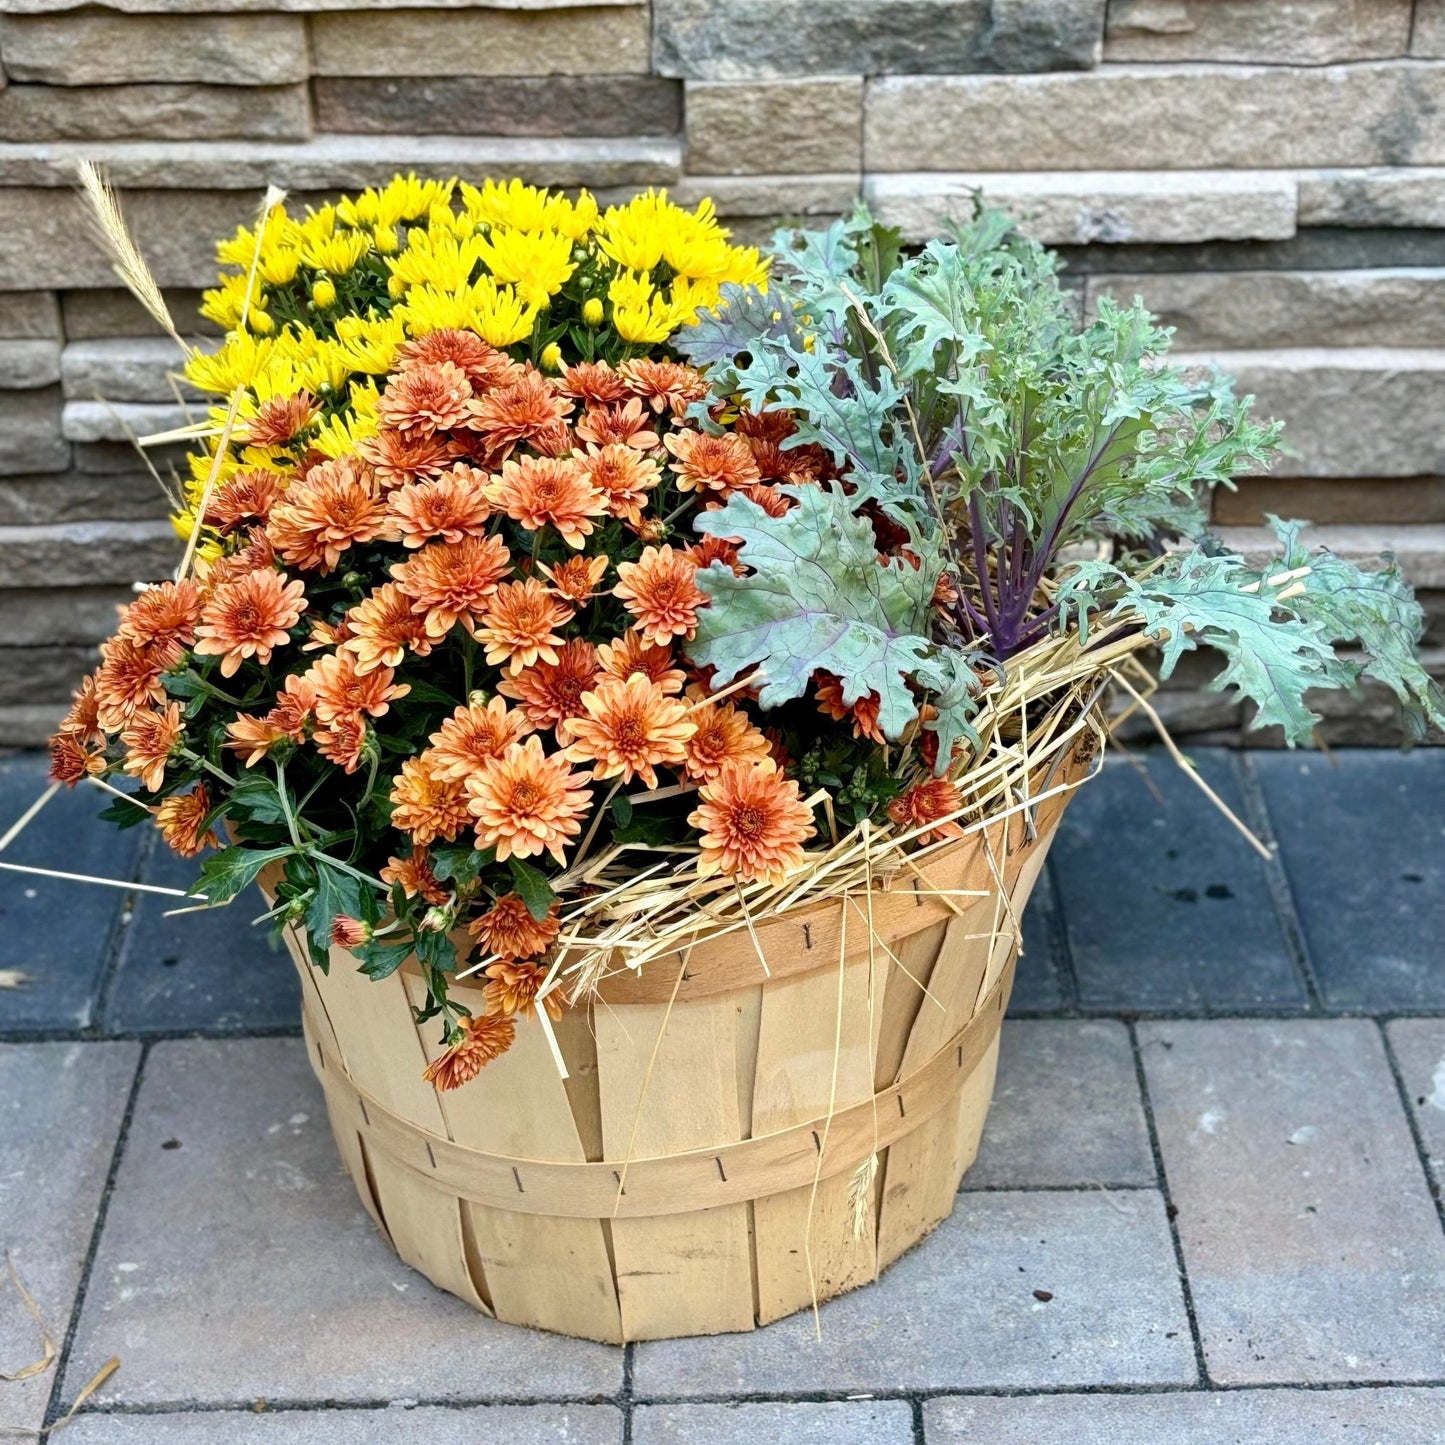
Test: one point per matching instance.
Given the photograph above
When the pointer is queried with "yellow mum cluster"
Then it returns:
(335, 294)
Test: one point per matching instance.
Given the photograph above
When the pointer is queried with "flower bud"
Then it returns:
(592, 312)
(551, 357)
(350, 932)
(439, 919)
(386, 239)
(323, 293)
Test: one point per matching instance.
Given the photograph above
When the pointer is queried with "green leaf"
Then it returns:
(226, 872)
(124, 813)
(336, 893)
(460, 865)
(743, 318)
(532, 887)
(436, 950)
(622, 809)
(380, 960)
(255, 796)
(817, 599)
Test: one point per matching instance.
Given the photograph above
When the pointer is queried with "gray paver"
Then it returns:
(1066, 1109)
(60, 1111)
(959, 1311)
(1037, 985)
(851, 1422)
(1235, 1417)
(1419, 1046)
(425, 1425)
(237, 1263)
(1313, 1249)
(1166, 907)
(1362, 839)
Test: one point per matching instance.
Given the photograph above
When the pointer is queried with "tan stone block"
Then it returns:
(100, 315)
(780, 126)
(87, 554)
(749, 197)
(1428, 39)
(30, 439)
(29, 315)
(153, 112)
(1376, 196)
(96, 47)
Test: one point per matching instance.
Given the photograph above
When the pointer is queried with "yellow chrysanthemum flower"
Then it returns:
(337, 253)
(278, 265)
(635, 235)
(278, 233)
(538, 263)
(640, 313)
(369, 344)
(403, 199)
(239, 360)
(437, 259)
(496, 313)
(528, 208)
(223, 304)
(340, 435)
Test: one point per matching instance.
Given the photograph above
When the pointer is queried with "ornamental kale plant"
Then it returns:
(1039, 475)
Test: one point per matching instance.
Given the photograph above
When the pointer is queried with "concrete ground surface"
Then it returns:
(1207, 1210)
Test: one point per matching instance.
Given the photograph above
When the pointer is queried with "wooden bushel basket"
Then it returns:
(730, 1146)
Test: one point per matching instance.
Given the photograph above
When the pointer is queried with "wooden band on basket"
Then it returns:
(674, 1183)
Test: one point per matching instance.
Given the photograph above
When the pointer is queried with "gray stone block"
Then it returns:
(1348, 411)
(1083, 207)
(32, 501)
(120, 459)
(784, 126)
(751, 39)
(1403, 1416)
(528, 105)
(1044, 1061)
(399, 1425)
(119, 421)
(101, 315)
(96, 47)
(959, 1312)
(30, 439)
(1428, 38)
(267, 1277)
(26, 364)
(29, 316)
(1150, 117)
(1313, 1248)
(589, 40)
(60, 1111)
(30, 725)
(1420, 551)
(1385, 306)
(42, 674)
(46, 616)
(1419, 1046)
(137, 368)
(87, 554)
(861, 1422)
(1373, 196)
(154, 112)
(1304, 32)
(770, 197)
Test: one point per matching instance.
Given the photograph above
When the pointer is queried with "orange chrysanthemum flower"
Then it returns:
(623, 476)
(548, 492)
(415, 877)
(129, 678)
(295, 704)
(576, 579)
(484, 365)
(480, 1041)
(149, 739)
(249, 617)
(716, 549)
(164, 614)
(334, 506)
(343, 742)
(247, 497)
(397, 459)
(594, 383)
(770, 499)
(427, 805)
(629, 728)
(509, 930)
(659, 591)
(342, 690)
(450, 582)
(73, 758)
(753, 824)
(450, 507)
(828, 692)
(475, 733)
(925, 803)
(280, 421)
(632, 654)
(425, 398)
(520, 411)
(526, 803)
(253, 737)
(83, 719)
(519, 625)
(382, 629)
(724, 735)
(706, 463)
(626, 424)
(181, 820)
(551, 692)
(256, 554)
(664, 384)
(512, 989)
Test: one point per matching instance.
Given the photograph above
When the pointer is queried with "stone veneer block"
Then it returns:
(1301, 32)
(1419, 1045)
(26, 364)
(1428, 39)
(845, 1422)
(268, 1278)
(42, 674)
(783, 126)
(104, 421)
(523, 105)
(1312, 1245)
(37, 616)
(60, 1114)
(959, 1312)
(1404, 1416)
(30, 439)
(770, 196)
(1348, 411)
(153, 112)
(103, 315)
(31, 725)
(753, 39)
(1386, 306)
(87, 554)
(1083, 207)
(126, 369)
(96, 47)
(592, 40)
(1374, 196)
(29, 315)
(1420, 551)
(1152, 117)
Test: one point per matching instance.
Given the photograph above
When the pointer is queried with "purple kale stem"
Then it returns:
(980, 562)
